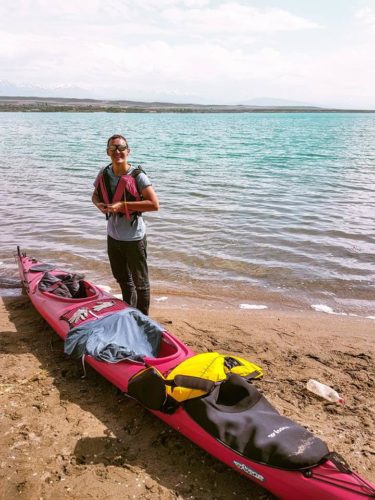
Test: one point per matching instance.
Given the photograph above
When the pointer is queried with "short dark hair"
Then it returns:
(117, 136)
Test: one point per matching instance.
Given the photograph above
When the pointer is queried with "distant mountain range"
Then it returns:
(14, 97)
(271, 101)
(28, 90)
(11, 89)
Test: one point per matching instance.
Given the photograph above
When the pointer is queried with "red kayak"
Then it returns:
(232, 421)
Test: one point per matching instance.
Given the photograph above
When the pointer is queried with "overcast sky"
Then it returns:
(313, 51)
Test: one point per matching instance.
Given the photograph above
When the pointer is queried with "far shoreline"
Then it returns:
(73, 105)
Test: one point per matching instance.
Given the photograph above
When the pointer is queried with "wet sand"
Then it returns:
(68, 437)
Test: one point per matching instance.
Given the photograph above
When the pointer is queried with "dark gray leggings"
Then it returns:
(128, 261)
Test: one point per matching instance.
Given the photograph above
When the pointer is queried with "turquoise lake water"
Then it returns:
(250, 203)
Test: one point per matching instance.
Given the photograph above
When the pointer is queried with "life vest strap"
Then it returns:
(252, 375)
(190, 382)
(199, 383)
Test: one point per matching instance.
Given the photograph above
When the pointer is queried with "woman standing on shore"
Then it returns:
(122, 192)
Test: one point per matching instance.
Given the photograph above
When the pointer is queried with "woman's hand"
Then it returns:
(102, 207)
(115, 208)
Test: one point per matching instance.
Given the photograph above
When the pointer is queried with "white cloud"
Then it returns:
(209, 71)
(189, 49)
(196, 3)
(184, 18)
(236, 18)
(367, 14)
(367, 17)
(342, 76)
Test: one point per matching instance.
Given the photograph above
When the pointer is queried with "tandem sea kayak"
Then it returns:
(228, 418)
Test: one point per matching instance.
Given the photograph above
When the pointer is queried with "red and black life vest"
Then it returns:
(126, 190)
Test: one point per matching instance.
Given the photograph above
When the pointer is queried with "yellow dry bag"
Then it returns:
(209, 366)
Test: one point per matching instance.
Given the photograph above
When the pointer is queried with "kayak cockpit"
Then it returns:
(88, 292)
(166, 347)
(67, 287)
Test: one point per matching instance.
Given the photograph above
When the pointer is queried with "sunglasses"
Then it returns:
(117, 147)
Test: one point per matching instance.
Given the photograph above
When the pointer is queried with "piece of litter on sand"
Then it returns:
(160, 299)
(105, 288)
(252, 306)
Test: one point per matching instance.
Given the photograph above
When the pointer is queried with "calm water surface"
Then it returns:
(272, 202)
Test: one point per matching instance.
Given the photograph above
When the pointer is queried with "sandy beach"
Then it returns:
(68, 437)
